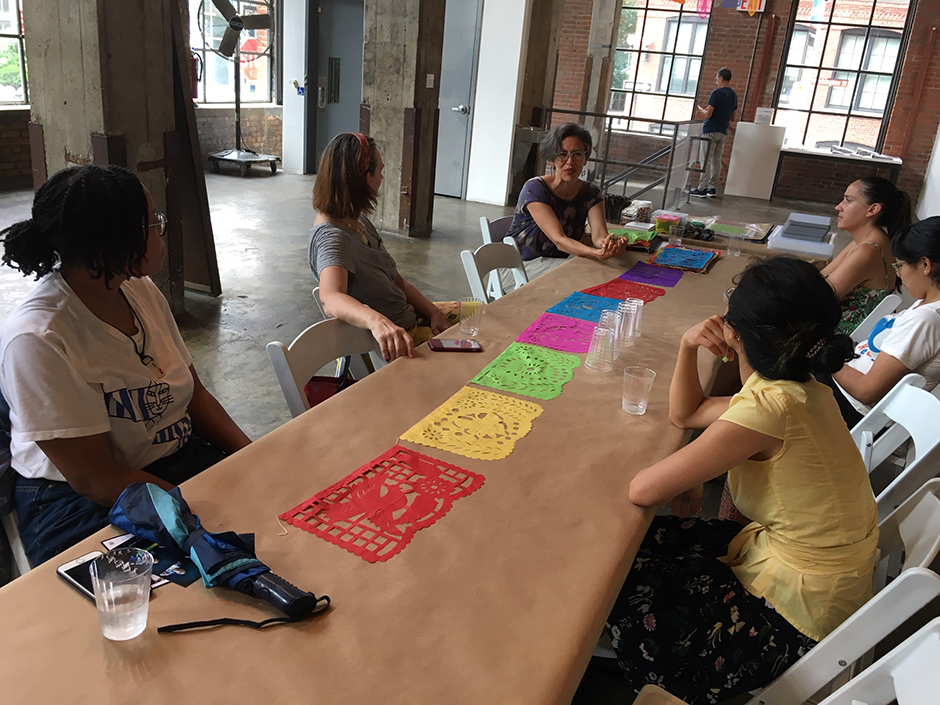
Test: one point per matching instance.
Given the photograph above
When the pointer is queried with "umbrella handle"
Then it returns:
(287, 598)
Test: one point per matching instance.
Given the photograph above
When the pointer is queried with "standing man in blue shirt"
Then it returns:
(721, 110)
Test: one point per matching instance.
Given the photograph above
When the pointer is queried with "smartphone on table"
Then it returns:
(77, 573)
(442, 345)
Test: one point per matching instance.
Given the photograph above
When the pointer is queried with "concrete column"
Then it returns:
(104, 68)
(401, 68)
(602, 45)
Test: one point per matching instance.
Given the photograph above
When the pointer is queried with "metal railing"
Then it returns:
(664, 155)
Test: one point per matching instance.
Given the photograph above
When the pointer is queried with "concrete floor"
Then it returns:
(260, 225)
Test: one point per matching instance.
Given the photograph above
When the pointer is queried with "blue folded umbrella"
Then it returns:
(224, 559)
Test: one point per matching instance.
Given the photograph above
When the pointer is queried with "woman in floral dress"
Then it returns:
(709, 609)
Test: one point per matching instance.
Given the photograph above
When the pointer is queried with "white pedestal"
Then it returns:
(754, 160)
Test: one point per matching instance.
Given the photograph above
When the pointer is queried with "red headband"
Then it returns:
(365, 152)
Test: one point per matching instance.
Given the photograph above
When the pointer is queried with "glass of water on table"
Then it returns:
(121, 580)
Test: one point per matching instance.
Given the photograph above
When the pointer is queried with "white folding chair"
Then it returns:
(486, 260)
(495, 230)
(316, 300)
(914, 414)
(315, 347)
(913, 528)
(907, 675)
(885, 307)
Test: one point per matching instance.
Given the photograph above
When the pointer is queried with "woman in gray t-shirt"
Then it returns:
(359, 282)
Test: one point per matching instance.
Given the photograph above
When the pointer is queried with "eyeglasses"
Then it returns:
(896, 266)
(728, 293)
(577, 156)
(161, 223)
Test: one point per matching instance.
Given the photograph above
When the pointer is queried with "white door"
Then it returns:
(458, 75)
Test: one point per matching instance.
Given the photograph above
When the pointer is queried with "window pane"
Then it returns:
(815, 38)
(648, 106)
(825, 130)
(625, 64)
(800, 92)
(256, 80)
(618, 101)
(852, 11)
(219, 86)
(701, 34)
(649, 70)
(873, 93)
(845, 48)
(862, 132)
(882, 53)
(11, 78)
(810, 11)
(797, 53)
(655, 37)
(891, 13)
(795, 122)
(679, 108)
(628, 36)
(665, 74)
(841, 87)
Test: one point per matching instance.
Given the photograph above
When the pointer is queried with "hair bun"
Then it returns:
(832, 354)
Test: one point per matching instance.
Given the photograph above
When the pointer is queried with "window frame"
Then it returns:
(679, 15)
(867, 30)
(697, 24)
(20, 36)
(273, 55)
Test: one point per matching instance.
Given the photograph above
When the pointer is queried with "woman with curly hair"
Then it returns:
(101, 388)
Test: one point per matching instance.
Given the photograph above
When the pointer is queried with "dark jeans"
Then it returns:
(849, 413)
(53, 516)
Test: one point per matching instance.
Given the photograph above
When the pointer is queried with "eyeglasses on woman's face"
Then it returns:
(161, 223)
(577, 155)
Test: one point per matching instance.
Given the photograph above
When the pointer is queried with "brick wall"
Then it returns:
(15, 166)
(731, 42)
(572, 56)
(261, 129)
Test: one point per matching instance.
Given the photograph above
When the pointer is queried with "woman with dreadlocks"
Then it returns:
(101, 388)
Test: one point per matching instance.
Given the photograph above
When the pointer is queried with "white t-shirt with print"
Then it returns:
(911, 336)
(68, 374)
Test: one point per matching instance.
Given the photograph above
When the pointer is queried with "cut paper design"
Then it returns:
(529, 370)
(584, 306)
(644, 273)
(375, 511)
(704, 8)
(476, 424)
(559, 333)
(624, 289)
(684, 258)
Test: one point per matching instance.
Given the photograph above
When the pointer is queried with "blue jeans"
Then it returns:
(53, 516)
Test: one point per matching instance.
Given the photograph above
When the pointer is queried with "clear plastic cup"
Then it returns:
(628, 319)
(600, 357)
(121, 580)
(471, 313)
(734, 244)
(613, 321)
(637, 383)
(675, 234)
(638, 304)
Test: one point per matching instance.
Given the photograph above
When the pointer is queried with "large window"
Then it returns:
(658, 63)
(841, 69)
(217, 82)
(13, 86)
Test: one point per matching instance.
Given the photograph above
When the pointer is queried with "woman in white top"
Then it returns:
(903, 343)
(101, 389)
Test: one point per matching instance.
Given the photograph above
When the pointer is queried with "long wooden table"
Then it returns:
(501, 601)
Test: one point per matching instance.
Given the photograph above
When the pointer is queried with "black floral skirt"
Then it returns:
(684, 622)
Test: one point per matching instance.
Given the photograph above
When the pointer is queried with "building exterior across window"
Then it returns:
(840, 71)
